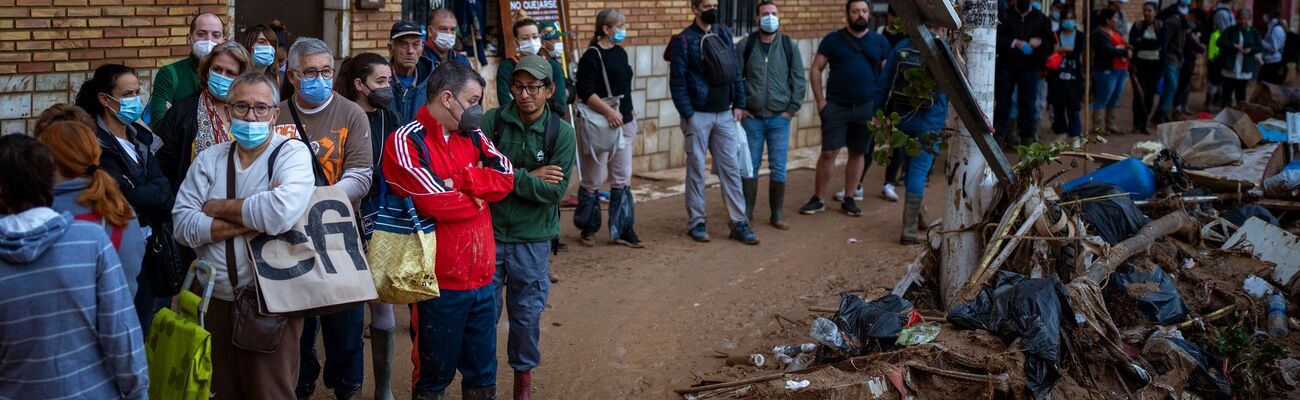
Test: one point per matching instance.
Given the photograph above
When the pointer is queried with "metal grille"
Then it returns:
(738, 15)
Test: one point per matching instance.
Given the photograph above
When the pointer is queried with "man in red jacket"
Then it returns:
(451, 171)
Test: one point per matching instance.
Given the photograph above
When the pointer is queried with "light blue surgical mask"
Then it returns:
(619, 36)
(249, 134)
(219, 85)
(1068, 24)
(129, 109)
(769, 23)
(315, 91)
(1056, 15)
(1036, 5)
(263, 55)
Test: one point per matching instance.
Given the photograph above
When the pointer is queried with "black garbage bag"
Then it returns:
(1208, 377)
(1115, 218)
(873, 324)
(1036, 311)
(1156, 295)
(1239, 216)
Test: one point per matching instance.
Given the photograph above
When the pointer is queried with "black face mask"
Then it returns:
(709, 17)
(1022, 6)
(381, 97)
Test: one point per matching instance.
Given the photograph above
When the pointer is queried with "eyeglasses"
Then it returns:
(327, 73)
(532, 90)
(259, 110)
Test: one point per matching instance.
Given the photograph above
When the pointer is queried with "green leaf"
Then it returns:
(898, 140)
(913, 148)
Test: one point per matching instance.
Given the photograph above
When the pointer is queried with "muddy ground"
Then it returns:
(636, 324)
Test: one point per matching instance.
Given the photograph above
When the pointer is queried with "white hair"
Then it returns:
(307, 46)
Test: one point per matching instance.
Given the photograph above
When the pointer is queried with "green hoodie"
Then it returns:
(531, 213)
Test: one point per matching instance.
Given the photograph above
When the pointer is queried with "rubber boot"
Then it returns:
(523, 385)
(381, 355)
(1098, 120)
(776, 198)
(750, 187)
(1112, 122)
(911, 215)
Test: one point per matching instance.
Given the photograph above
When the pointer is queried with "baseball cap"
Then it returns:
(535, 65)
(550, 30)
(404, 28)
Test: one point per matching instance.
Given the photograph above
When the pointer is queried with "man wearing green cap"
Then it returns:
(541, 146)
(529, 40)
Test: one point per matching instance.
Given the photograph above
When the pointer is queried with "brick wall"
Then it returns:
(369, 28)
(654, 21)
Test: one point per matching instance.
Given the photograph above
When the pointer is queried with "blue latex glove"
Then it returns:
(1027, 49)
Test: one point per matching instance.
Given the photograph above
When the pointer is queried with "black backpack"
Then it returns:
(717, 58)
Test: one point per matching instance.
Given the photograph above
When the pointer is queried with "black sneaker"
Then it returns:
(629, 239)
(815, 205)
(851, 208)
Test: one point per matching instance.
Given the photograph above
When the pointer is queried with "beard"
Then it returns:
(858, 25)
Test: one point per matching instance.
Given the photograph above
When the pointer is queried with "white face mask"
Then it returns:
(530, 46)
(202, 48)
(445, 41)
(557, 50)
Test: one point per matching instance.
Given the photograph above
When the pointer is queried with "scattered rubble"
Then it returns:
(1158, 277)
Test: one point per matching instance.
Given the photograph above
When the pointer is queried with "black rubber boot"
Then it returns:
(750, 187)
(776, 198)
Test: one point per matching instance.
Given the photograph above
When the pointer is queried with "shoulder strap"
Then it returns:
(552, 134)
(497, 123)
(788, 46)
(232, 270)
(851, 41)
(749, 51)
(270, 161)
(608, 92)
(115, 234)
(316, 168)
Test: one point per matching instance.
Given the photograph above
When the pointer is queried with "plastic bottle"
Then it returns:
(1276, 315)
(795, 349)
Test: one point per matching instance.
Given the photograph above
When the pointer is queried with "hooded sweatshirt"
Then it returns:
(130, 245)
(68, 329)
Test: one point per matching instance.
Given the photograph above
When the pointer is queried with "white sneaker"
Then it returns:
(839, 196)
(888, 192)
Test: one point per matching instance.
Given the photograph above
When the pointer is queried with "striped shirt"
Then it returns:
(68, 328)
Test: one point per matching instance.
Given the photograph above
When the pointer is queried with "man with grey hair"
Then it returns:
(339, 134)
(215, 219)
(180, 79)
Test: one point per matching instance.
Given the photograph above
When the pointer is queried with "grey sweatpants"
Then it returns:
(716, 133)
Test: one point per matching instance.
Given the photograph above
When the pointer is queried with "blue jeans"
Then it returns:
(918, 166)
(1108, 85)
(455, 332)
(775, 132)
(1066, 119)
(521, 274)
(344, 352)
(1170, 89)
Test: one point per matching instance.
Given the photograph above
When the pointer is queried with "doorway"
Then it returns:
(299, 17)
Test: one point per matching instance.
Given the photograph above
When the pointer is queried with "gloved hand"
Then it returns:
(1027, 49)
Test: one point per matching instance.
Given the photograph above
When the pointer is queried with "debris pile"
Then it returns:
(1171, 274)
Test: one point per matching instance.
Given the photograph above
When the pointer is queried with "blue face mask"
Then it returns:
(619, 36)
(1186, 2)
(219, 85)
(249, 134)
(1067, 24)
(1036, 5)
(315, 91)
(263, 55)
(1056, 15)
(129, 109)
(769, 23)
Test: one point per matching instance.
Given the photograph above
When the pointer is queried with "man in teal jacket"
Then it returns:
(525, 221)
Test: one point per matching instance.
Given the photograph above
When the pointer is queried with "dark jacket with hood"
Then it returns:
(177, 130)
(685, 78)
(1015, 26)
(143, 183)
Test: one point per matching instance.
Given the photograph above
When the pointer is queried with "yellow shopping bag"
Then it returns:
(179, 349)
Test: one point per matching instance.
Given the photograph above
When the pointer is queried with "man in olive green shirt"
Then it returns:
(180, 79)
(524, 223)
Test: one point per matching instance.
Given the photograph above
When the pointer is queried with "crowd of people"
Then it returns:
(241, 132)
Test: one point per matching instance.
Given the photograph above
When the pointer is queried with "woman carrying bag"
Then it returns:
(604, 82)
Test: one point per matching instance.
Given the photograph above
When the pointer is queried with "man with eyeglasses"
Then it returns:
(217, 229)
(451, 171)
(180, 79)
(339, 134)
(541, 145)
